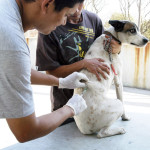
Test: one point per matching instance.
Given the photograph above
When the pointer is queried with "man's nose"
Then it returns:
(77, 10)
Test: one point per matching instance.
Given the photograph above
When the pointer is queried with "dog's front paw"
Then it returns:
(125, 118)
(122, 131)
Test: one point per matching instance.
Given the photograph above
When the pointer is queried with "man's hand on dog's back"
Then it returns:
(97, 67)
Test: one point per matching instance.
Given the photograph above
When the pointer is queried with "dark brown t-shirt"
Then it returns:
(66, 45)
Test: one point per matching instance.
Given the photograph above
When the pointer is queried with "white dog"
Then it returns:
(102, 111)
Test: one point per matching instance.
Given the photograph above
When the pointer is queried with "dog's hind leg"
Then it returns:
(119, 93)
(107, 131)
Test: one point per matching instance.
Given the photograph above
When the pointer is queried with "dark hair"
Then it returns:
(60, 4)
(29, 1)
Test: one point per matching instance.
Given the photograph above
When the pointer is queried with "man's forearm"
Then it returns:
(66, 70)
(32, 127)
(43, 79)
(56, 118)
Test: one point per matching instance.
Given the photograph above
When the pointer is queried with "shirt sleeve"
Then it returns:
(16, 99)
(99, 27)
(96, 23)
(47, 54)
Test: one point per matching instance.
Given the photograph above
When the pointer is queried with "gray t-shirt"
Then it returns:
(16, 99)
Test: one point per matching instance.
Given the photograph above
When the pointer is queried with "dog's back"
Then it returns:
(98, 113)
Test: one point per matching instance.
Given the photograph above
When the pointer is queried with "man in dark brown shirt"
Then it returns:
(61, 52)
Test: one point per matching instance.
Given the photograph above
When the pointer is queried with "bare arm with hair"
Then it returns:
(43, 79)
(71, 81)
(94, 65)
(32, 127)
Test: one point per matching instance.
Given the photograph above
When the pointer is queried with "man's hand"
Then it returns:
(97, 66)
(73, 81)
(115, 46)
(77, 103)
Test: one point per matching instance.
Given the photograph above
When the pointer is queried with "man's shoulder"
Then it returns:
(12, 38)
(91, 17)
(89, 14)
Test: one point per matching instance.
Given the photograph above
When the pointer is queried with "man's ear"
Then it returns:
(45, 4)
(117, 24)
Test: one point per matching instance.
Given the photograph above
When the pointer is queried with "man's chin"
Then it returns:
(46, 32)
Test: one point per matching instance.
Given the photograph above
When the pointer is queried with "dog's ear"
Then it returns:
(117, 24)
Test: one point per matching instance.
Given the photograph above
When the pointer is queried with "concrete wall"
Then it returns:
(136, 64)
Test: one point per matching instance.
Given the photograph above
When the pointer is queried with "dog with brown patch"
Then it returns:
(103, 111)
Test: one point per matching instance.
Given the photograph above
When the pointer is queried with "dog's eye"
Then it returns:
(132, 31)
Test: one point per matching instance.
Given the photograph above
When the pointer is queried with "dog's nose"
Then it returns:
(145, 40)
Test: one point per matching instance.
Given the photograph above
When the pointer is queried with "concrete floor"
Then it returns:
(68, 137)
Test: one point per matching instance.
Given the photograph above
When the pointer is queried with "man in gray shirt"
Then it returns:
(16, 98)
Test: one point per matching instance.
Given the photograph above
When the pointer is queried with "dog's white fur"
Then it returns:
(103, 111)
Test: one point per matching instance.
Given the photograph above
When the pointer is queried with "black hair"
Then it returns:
(60, 4)
(29, 1)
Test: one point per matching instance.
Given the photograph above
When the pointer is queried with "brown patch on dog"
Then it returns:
(92, 109)
(89, 53)
(128, 26)
(92, 112)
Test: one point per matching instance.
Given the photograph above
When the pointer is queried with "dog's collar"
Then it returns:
(107, 48)
(108, 33)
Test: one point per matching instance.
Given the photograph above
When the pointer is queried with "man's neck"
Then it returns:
(25, 23)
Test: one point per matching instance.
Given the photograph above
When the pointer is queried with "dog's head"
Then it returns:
(128, 32)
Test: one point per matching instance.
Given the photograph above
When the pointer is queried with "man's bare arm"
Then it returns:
(32, 127)
(94, 65)
(43, 79)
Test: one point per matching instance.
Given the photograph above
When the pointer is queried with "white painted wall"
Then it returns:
(136, 66)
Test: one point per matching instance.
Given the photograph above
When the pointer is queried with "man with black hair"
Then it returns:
(62, 51)
(16, 97)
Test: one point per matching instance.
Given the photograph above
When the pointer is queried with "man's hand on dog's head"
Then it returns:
(97, 67)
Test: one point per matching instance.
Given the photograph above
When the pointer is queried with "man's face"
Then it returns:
(52, 19)
(77, 14)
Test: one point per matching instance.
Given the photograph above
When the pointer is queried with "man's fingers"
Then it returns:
(113, 41)
(82, 85)
(106, 66)
(98, 76)
(107, 36)
(100, 60)
(102, 73)
(106, 69)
